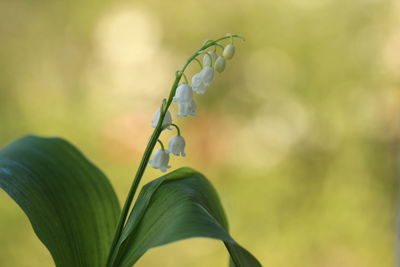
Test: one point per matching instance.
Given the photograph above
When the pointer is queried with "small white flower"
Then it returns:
(197, 84)
(207, 75)
(186, 108)
(229, 51)
(209, 58)
(160, 160)
(176, 145)
(183, 109)
(167, 119)
(202, 80)
(183, 93)
(220, 64)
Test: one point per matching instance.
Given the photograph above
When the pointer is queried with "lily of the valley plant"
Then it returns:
(74, 210)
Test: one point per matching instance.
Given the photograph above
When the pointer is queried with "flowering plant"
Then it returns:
(74, 210)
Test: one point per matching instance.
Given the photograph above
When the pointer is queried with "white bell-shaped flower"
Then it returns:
(183, 109)
(160, 160)
(167, 119)
(219, 64)
(207, 75)
(229, 51)
(209, 58)
(176, 145)
(183, 93)
(197, 84)
(186, 108)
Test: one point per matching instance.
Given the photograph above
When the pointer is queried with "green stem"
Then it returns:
(186, 79)
(210, 58)
(220, 46)
(177, 128)
(150, 146)
(198, 61)
(161, 144)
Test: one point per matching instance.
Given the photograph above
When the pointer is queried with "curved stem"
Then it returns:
(150, 146)
(198, 61)
(177, 128)
(220, 45)
(161, 144)
(209, 57)
(186, 79)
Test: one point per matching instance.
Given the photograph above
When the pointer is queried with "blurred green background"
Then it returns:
(297, 135)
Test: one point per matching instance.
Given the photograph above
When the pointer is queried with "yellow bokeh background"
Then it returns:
(298, 134)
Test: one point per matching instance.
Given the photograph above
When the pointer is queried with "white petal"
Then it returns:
(209, 58)
(176, 145)
(166, 122)
(229, 51)
(207, 75)
(183, 93)
(160, 160)
(219, 64)
(197, 84)
(183, 109)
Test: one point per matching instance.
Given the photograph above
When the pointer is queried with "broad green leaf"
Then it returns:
(179, 205)
(70, 203)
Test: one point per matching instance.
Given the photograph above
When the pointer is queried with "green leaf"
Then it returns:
(70, 203)
(179, 205)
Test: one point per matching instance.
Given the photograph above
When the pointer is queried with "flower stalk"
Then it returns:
(177, 129)
(154, 139)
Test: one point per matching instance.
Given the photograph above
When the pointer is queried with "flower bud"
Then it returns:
(209, 58)
(176, 145)
(207, 75)
(160, 160)
(167, 119)
(220, 64)
(183, 93)
(197, 84)
(229, 51)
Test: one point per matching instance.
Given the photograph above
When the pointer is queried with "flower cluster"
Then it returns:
(184, 97)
